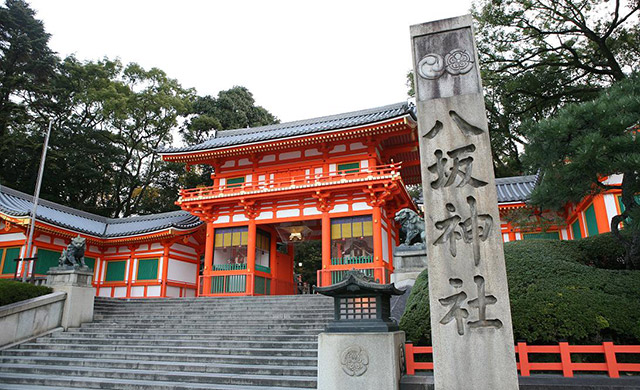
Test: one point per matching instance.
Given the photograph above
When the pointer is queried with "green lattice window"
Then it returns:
(7, 257)
(147, 269)
(592, 222)
(235, 182)
(575, 228)
(115, 271)
(46, 260)
(90, 262)
(542, 236)
(349, 167)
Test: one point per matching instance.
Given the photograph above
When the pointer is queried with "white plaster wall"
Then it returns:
(183, 248)
(518, 236)
(11, 237)
(135, 271)
(248, 178)
(155, 245)
(190, 292)
(268, 158)
(244, 161)
(361, 206)
(239, 218)
(111, 250)
(222, 219)
(288, 213)
(357, 146)
(105, 292)
(332, 167)
(385, 246)
(173, 291)
(290, 155)
(182, 271)
(614, 179)
(59, 241)
(312, 152)
(229, 164)
(505, 237)
(311, 211)
(153, 291)
(119, 292)
(610, 205)
(564, 233)
(340, 208)
(364, 163)
(41, 238)
(137, 291)
(265, 215)
(123, 249)
(338, 149)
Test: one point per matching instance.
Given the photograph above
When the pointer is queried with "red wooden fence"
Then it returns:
(610, 365)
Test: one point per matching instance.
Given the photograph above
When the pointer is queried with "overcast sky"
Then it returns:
(300, 59)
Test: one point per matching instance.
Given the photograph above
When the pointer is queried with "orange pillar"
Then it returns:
(251, 256)
(377, 243)
(604, 224)
(208, 259)
(326, 250)
(165, 269)
(132, 261)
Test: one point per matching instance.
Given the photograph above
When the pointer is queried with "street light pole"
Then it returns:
(36, 195)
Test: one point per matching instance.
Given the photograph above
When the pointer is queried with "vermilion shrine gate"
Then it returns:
(339, 179)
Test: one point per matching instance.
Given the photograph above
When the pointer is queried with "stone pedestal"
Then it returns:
(348, 361)
(76, 282)
(408, 263)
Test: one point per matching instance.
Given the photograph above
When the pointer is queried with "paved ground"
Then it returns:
(424, 381)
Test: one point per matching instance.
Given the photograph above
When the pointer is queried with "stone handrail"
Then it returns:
(30, 318)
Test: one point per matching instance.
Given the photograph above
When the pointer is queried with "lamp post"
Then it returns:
(36, 195)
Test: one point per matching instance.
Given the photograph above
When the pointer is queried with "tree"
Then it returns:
(539, 55)
(583, 144)
(26, 62)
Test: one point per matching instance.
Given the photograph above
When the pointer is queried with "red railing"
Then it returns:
(610, 365)
(293, 182)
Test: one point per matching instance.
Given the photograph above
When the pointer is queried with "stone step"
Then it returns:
(209, 320)
(171, 349)
(165, 376)
(246, 315)
(183, 357)
(202, 337)
(175, 343)
(200, 328)
(33, 381)
(153, 365)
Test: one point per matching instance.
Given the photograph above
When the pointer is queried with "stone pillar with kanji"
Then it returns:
(471, 327)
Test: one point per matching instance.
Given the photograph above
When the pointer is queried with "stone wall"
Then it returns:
(30, 318)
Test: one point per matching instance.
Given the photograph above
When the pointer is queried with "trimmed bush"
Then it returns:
(12, 291)
(553, 297)
(602, 251)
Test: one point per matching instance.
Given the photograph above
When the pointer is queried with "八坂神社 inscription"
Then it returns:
(469, 301)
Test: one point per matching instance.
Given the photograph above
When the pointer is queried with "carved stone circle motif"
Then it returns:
(431, 66)
(456, 62)
(354, 360)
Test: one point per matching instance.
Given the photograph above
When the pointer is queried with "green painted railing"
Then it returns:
(262, 268)
(352, 260)
(262, 285)
(229, 267)
(228, 284)
(337, 276)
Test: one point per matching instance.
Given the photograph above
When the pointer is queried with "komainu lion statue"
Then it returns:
(74, 254)
(413, 226)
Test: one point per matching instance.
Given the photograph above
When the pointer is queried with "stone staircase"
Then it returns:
(230, 343)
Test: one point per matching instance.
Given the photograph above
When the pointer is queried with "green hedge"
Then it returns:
(12, 291)
(554, 296)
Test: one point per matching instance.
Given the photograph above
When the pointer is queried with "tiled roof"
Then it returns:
(251, 135)
(516, 188)
(18, 204)
(511, 189)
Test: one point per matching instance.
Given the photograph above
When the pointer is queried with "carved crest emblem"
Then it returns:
(354, 360)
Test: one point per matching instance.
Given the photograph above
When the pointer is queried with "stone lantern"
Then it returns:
(362, 347)
(360, 304)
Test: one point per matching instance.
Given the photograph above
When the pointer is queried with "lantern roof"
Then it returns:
(356, 282)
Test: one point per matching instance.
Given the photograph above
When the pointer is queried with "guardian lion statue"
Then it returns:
(74, 254)
(413, 226)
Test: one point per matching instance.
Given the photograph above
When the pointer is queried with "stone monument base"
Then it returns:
(348, 361)
(76, 282)
(409, 262)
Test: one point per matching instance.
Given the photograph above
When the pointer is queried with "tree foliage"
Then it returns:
(585, 143)
(539, 55)
(109, 120)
